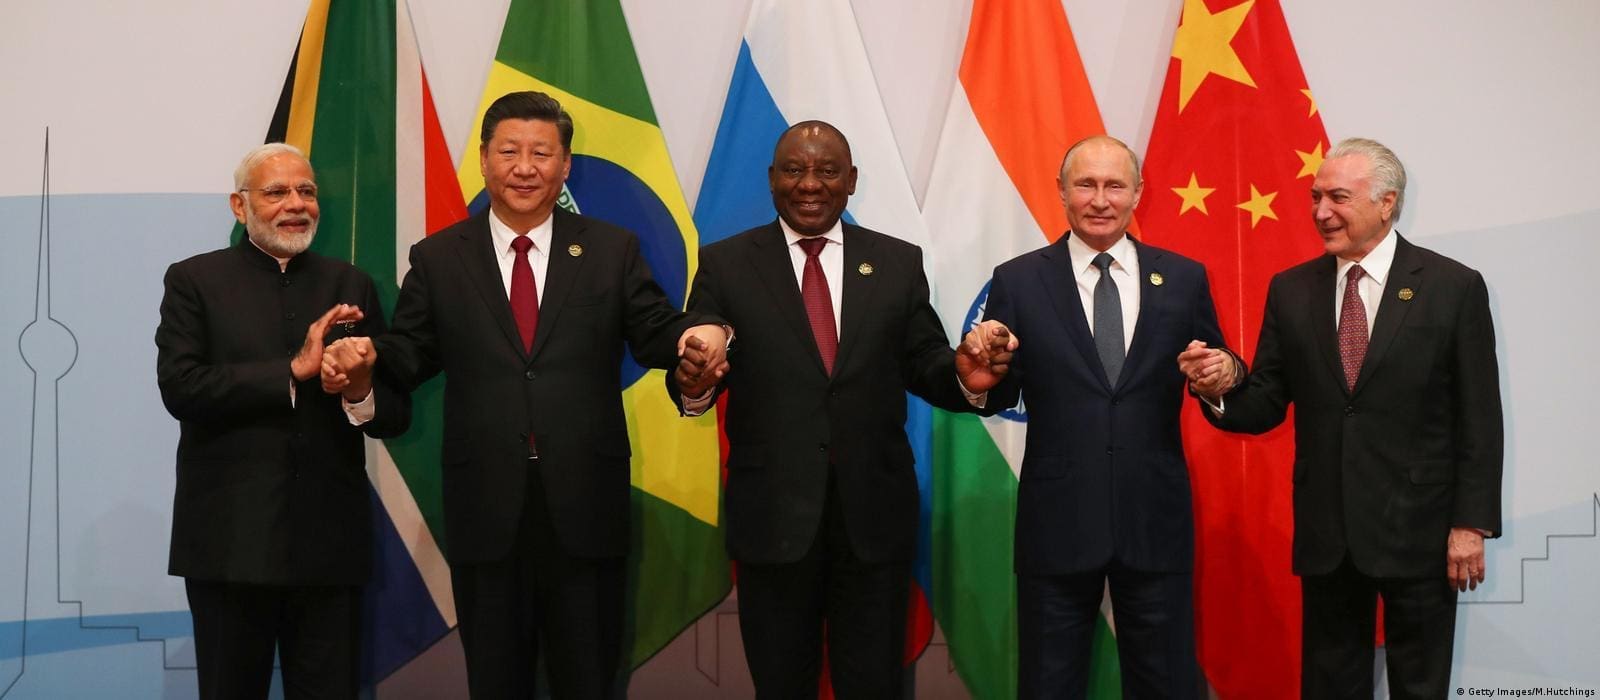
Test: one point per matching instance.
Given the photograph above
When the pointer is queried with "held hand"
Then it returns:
(1464, 557)
(1211, 372)
(307, 362)
(347, 367)
(701, 366)
(985, 355)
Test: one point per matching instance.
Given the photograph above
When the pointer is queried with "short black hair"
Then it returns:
(527, 105)
(818, 124)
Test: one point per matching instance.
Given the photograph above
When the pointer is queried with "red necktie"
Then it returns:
(819, 303)
(1352, 327)
(524, 293)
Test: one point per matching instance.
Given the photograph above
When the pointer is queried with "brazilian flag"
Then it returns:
(582, 54)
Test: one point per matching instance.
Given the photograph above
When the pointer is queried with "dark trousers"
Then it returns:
(316, 631)
(786, 609)
(1154, 614)
(540, 598)
(1339, 615)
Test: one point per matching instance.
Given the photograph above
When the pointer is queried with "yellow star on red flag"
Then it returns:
(1194, 196)
(1259, 206)
(1313, 100)
(1203, 46)
(1309, 161)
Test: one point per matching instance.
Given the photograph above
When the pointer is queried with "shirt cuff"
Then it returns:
(360, 412)
(1218, 407)
(976, 400)
(697, 405)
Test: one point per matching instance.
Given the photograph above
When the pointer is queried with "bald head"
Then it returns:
(1102, 142)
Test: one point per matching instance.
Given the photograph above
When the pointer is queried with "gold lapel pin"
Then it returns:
(575, 250)
(1406, 294)
(1156, 279)
(865, 269)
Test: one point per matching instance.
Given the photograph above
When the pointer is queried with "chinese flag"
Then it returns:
(1235, 145)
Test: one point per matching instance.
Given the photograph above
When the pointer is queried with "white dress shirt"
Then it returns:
(831, 257)
(1124, 271)
(538, 256)
(1376, 266)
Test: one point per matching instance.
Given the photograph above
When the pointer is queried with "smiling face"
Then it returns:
(812, 178)
(286, 227)
(1100, 188)
(1350, 221)
(524, 167)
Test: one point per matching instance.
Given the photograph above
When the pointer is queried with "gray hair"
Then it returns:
(259, 154)
(1066, 160)
(1388, 175)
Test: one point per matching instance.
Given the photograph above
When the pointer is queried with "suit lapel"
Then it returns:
(478, 256)
(859, 250)
(1061, 286)
(563, 269)
(769, 256)
(1320, 298)
(1404, 273)
(1151, 263)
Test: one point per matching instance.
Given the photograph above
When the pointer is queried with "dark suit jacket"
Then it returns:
(453, 316)
(1103, 477)
(787, 418)
(1383, 472)
(267, 492)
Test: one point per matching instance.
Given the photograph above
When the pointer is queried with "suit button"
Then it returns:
(1110, 450)
(289, 315)
(822, 447)
(1349, 410)
(522, 438)
(528, 375)
(286, 281)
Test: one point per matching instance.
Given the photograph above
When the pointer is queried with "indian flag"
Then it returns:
(1021, 100)
(357, 103)
(582, 54)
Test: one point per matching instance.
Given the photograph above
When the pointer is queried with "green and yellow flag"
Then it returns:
(582, 54)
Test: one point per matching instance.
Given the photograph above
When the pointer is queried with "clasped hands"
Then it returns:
(985, 356)
(1211, 372)
(345, 365)
(702, 359)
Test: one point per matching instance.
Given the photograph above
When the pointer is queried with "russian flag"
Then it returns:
(801, 61)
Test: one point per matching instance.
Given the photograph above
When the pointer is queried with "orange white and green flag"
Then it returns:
(992, 197)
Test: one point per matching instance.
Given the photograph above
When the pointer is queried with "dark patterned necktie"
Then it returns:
(819, 302)
(1352, 327)
(1108, 320)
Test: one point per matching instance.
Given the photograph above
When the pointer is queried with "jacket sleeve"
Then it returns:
(1261, 401)
(1480, 424)
(196, 388)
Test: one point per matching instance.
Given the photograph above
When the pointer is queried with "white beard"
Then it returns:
(276, 243)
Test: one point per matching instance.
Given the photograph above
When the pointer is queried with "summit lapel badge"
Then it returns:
(865, 269)
(1156, 279)
(1406, 294)
(575, 250)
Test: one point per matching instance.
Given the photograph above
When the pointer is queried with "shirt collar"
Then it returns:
(503, 235)
(1122, 252)
(1377, 263)
(283, 263)
(835, 234)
